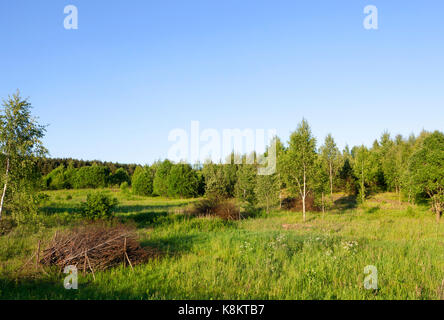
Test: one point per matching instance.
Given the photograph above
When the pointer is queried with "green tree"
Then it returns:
(395, 165)
(216, 184)
(321, 181)
(56, 179)
(142, 181)
(94, 176)
(362, 169)
(298, 165)
(330, 155)
(427, 171)
(346, 172)
(182, 181)
(246, 183)
(160, 183)
(118, 177)
(20, 146)
(267, 190)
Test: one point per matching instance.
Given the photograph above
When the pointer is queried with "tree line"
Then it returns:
(413, 167)
(46, 165)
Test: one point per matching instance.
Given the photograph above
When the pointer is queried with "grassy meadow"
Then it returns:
(269, 256)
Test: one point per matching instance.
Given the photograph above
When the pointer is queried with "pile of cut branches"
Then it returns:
(96, 247)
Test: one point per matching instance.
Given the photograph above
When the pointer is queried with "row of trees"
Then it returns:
(412, 167)
(162, 179)
(167, 179)
(84, 177)
(46, 165)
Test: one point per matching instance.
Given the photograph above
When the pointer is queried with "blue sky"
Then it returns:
(134, 70)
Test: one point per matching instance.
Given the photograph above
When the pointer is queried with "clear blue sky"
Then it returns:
(134, 70)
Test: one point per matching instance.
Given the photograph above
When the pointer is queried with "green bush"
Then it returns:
(124, 187)
(98, 206)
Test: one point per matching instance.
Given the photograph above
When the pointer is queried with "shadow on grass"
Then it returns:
(55, 209)
(372, 209)
(138, 208)
(345, 203)
(153, 218)
(53, 289)
(174, 245)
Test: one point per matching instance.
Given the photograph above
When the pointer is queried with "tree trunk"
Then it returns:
(362, 184)
(4, 187)
(399, 195)
(437, 208)
(323, 207)
(303, 198)
(331, 180)
(303, 207)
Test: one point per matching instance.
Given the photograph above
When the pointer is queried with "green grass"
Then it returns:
(256, 258)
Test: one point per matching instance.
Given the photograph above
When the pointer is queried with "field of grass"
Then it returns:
(274, 256)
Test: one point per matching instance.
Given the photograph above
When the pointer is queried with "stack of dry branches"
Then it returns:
(95, 247)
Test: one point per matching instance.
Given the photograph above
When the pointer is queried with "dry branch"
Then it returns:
(98, 246)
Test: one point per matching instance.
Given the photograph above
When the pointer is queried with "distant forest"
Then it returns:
(46, 165)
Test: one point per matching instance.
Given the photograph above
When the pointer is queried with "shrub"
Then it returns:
(98, 206)
(124, 187)
(224, 209)
(42, 198)
(6, 225)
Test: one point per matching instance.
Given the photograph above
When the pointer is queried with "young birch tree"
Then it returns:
(362, 169)
(300, 161)
(330, 154)
(267, 190)
(20, 146)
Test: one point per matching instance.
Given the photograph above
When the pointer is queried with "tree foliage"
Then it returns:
(298, 164)
(160, 183)
(20, 146)
(427, 170)
(182, 181)
(142, 181)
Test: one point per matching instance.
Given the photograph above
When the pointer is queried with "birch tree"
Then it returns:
(330, 154)
(20, 146)
(267, 190)
(362, 169)
(300, 161)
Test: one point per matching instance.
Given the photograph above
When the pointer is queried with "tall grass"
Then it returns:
(256, 258)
